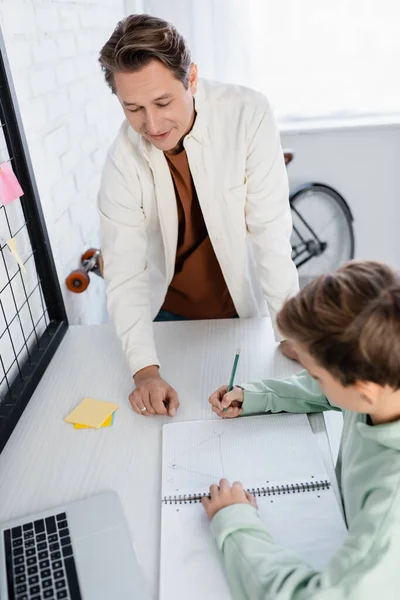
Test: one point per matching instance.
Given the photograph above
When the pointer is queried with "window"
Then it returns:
(312, 58)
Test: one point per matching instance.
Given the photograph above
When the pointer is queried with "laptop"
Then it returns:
(80, 551)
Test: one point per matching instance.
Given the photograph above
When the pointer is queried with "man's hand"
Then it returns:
(224, 495)
(153, 395)
(288, 350)
(230, 401)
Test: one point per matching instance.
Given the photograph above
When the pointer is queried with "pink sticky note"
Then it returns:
(10, 189)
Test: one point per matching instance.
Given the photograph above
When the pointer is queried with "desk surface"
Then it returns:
(46, 462)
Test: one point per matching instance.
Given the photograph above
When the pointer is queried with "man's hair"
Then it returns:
(349, 322)
(140, 39)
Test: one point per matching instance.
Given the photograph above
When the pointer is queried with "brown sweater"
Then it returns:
(198, 289)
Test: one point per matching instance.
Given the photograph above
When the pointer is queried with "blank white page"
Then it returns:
(261, 452)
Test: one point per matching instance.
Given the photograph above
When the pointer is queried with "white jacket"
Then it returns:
(237, 165)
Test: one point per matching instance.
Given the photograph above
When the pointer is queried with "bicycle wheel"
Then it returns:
(323, 235)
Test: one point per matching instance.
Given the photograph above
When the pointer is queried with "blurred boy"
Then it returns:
(345, 327)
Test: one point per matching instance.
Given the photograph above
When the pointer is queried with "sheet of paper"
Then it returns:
(12, 245)
(334, 427)
(10, 188)
(91, 412)
(262, 452)
(250, 449)
(201, 574)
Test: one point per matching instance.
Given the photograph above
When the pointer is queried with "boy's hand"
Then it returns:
(224, 495)
(231, 401)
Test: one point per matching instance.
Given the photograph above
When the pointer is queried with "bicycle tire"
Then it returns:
(299, 195)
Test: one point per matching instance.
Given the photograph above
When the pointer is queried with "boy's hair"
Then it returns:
(139, 39)
(349, 322)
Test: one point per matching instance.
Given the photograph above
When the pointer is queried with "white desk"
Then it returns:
(46, 462)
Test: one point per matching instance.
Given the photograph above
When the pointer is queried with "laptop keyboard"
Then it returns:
(40, 561)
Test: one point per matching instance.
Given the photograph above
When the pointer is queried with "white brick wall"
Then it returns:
(52, 47)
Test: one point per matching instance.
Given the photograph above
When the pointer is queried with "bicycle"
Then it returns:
(323, 234)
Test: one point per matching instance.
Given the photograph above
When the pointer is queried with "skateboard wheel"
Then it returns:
(88, 254)
(77, 281)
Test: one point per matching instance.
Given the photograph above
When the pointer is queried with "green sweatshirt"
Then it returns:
(367, 567)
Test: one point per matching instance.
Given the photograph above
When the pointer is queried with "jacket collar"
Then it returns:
(199, 130)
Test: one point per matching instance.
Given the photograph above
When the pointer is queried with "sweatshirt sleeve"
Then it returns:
(364, 568)
(299, 394)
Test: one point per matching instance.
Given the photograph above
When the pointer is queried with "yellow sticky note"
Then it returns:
(91, 412)
(107, 423)
(12, 244)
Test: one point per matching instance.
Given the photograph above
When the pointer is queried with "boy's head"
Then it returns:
(346, 329)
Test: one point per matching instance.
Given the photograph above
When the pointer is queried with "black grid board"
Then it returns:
(23, 313)
(32, 314)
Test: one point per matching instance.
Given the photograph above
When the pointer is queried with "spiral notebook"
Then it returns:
(277, 458)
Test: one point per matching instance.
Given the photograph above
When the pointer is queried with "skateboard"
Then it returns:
(91, 261)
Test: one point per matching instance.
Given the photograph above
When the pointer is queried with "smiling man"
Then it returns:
(195, 217)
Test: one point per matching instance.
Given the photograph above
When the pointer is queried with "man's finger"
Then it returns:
(135, 407)
(143, 401)
(133, 399)
(157, 398)
(173, 402)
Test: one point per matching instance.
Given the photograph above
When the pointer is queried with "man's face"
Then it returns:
(156, 104)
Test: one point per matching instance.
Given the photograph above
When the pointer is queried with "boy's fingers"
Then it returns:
(234, 395)
(215, 402)
(227, 399)
(224, 484)
(214, 490)
(238, 492)
(251, 499)
(232, 412)
(237, 485)
(229, 413)
(236, 411)
(216, 397)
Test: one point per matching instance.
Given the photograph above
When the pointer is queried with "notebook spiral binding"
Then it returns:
(274, 490)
